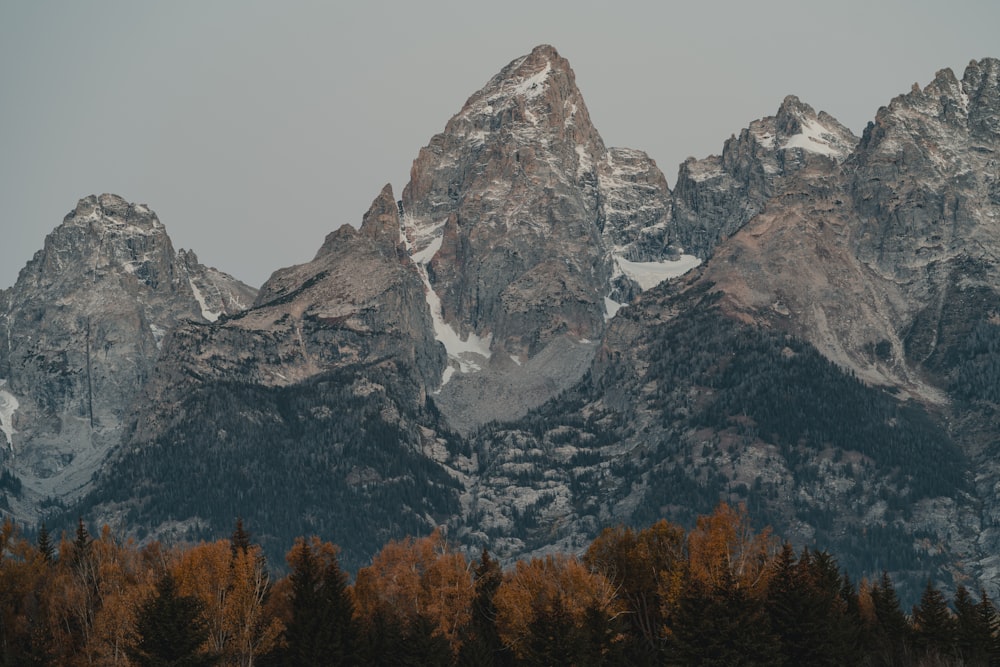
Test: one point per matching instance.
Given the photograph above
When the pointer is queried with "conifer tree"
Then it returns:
(81, 544)
(972, 631)
(481, 644)
(44, 544)
(891, 631)
(240, 539)
(322, 630)
(171, 630)
(933, 625)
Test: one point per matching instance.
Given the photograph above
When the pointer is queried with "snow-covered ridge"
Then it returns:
(8, 405)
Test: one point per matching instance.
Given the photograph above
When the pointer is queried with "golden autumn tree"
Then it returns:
(418, 581)
(232, 585)
(24, 572)
(724, 549)
(94, 593)
(553, 604)
(647, 569)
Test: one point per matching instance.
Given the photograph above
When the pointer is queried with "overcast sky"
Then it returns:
(255, 128)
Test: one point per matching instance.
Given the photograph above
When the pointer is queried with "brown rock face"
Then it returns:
(879, 254)
(524, 224)
(524, 208)
(359, 302)
(714, 197)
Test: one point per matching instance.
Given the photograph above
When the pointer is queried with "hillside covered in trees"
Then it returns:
(719, 594)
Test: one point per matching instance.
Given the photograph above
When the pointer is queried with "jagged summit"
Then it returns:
(81, 329)
(798, 126)
(715, 196)
(530, 233)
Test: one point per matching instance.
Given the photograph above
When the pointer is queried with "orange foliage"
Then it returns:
(535, 586)
(422, 577)
(724, 550)
(233, 586)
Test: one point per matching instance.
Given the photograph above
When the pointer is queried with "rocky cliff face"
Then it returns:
(359, 302)
(530, 231)
(81, 330)
(319, 389)
(716, 196)
(889, 267)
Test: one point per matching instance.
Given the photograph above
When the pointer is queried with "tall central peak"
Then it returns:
(525, 226)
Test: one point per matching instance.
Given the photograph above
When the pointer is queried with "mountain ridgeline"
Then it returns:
(540, 339)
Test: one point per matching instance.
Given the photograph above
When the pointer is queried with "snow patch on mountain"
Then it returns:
(8, 405)
(468, 355)
(814, 138)
(650, 274)
(611, 308)
(209, 315)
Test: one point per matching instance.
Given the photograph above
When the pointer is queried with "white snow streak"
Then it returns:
(611, 308)
(533, 86)
(8, 405)
(469, 354)
(205, 312)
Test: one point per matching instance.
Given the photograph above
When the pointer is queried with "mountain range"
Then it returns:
(540, 338)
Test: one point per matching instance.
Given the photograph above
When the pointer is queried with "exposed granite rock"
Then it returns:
(81, 330)
(716, 196)
(524, 224)
(358, 302)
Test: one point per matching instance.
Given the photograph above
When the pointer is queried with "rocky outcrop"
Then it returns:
(81, 330)
(529, 232)
(888, 266)
(714, 197)
(359, 302)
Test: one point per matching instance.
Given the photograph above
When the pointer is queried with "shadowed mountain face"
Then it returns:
(516, 349)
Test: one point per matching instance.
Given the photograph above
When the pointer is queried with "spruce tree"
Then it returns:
(322, 630)
(973, 637)
(933, 625)
(240, 539)
(891, 633)
(44, 544)
(171, 630)
(81, 544)
(481, 644)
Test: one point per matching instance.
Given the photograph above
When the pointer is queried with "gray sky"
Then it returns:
(255, 128)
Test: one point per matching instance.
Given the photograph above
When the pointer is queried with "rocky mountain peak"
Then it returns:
(715, 196)
(381, 223)
(528, 231)
(82, 328)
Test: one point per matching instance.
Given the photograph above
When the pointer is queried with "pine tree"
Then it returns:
(972, 631)
(322, 630)
(991, 620)
(891, 631)
(44, 544)
(240, 540)
(933, 625)
(724, 625)
(481, 644)
(81, 545)
(171, 630)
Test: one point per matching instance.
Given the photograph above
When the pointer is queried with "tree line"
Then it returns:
(719, 594)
